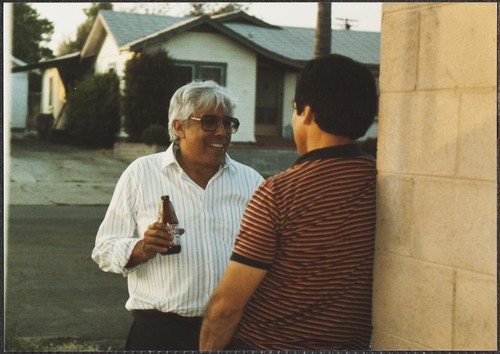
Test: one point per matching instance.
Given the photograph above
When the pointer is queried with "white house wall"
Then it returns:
(241, 71)
(110, 58)
(58, 93)
(19, 102)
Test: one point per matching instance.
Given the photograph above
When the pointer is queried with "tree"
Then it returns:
(202, 8)
(323, 34)
(148, 89)
(30, 33)
(148, 8)
(94, 111)
(83, 30)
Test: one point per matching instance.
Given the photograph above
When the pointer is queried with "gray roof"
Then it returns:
(130, 27)
(298, 43)
(294, 43)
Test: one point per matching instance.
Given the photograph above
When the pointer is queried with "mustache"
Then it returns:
(218, 141)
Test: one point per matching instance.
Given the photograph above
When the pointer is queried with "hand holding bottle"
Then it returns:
(160, 238)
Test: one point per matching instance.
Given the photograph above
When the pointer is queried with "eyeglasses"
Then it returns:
(209, 123)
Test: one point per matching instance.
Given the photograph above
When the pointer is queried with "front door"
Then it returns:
(268, 112)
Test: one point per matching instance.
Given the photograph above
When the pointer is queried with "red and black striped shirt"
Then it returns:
(312, 227)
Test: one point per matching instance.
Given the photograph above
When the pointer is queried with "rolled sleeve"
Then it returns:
(117, 234)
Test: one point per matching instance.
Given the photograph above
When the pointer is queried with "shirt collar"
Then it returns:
(339, 151)
(169, 158)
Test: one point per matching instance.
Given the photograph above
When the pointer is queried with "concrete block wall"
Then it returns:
(435, 285)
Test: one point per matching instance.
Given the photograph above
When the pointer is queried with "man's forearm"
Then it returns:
(218, 326)
(228, 303)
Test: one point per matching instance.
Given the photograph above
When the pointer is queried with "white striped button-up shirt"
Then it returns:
(180, 283)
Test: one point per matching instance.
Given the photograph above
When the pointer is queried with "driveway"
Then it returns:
(45, 173)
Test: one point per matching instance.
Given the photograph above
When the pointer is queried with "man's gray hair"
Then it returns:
(196, 97)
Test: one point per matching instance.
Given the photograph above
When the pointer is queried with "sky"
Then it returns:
(66, 17)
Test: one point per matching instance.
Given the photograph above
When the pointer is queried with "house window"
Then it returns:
(111, 67)
(189, 71)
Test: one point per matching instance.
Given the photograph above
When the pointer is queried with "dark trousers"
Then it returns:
(155, 330)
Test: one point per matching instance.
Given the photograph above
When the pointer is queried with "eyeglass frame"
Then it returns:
(235, 123)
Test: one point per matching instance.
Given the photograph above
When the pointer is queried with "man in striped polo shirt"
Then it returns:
(300, 276)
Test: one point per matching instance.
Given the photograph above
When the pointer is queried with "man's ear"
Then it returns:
(178, 128)
(308, 115)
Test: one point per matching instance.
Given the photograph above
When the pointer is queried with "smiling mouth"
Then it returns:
(217, 146)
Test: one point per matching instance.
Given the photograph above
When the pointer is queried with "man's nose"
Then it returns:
(220, 128)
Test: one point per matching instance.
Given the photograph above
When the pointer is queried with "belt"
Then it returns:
(167, 315)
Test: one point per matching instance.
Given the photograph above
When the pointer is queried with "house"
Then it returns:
(256, 60)
(19, 96)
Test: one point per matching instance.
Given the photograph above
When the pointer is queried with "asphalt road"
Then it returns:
(53, 288)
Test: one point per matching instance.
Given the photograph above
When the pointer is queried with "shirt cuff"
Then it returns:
(249, 262)
(128, 252)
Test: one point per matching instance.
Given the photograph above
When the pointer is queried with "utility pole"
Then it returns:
(323, 34)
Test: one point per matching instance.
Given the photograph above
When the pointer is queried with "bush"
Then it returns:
(155, 134)
(94, 111)
(149, 86)
(44, 122)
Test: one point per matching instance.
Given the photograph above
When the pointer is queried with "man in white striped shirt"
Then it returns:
(168, 293)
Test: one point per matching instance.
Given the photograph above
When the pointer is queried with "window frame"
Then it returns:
(198, 65)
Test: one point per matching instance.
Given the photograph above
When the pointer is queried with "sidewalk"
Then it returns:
(53, 174)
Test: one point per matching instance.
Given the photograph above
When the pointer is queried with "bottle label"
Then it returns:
(174, 229)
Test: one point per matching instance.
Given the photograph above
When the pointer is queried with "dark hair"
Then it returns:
(341, 93)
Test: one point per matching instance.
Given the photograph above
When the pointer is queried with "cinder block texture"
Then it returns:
(475, 312)
(399, 39)
(454, 223)
(388, 341)
(402, 6)
(477, 135)
(413, 300)
(444, 133)
(457, 46)
(394, 200)
(435, 263)
(418, 133)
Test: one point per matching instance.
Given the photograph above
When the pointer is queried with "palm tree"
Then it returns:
(323, 34)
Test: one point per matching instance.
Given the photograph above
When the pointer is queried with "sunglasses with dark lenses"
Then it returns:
(209, 123)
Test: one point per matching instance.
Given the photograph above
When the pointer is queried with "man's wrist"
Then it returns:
(138, 255)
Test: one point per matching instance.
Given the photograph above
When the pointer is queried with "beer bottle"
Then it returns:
(166, 215)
